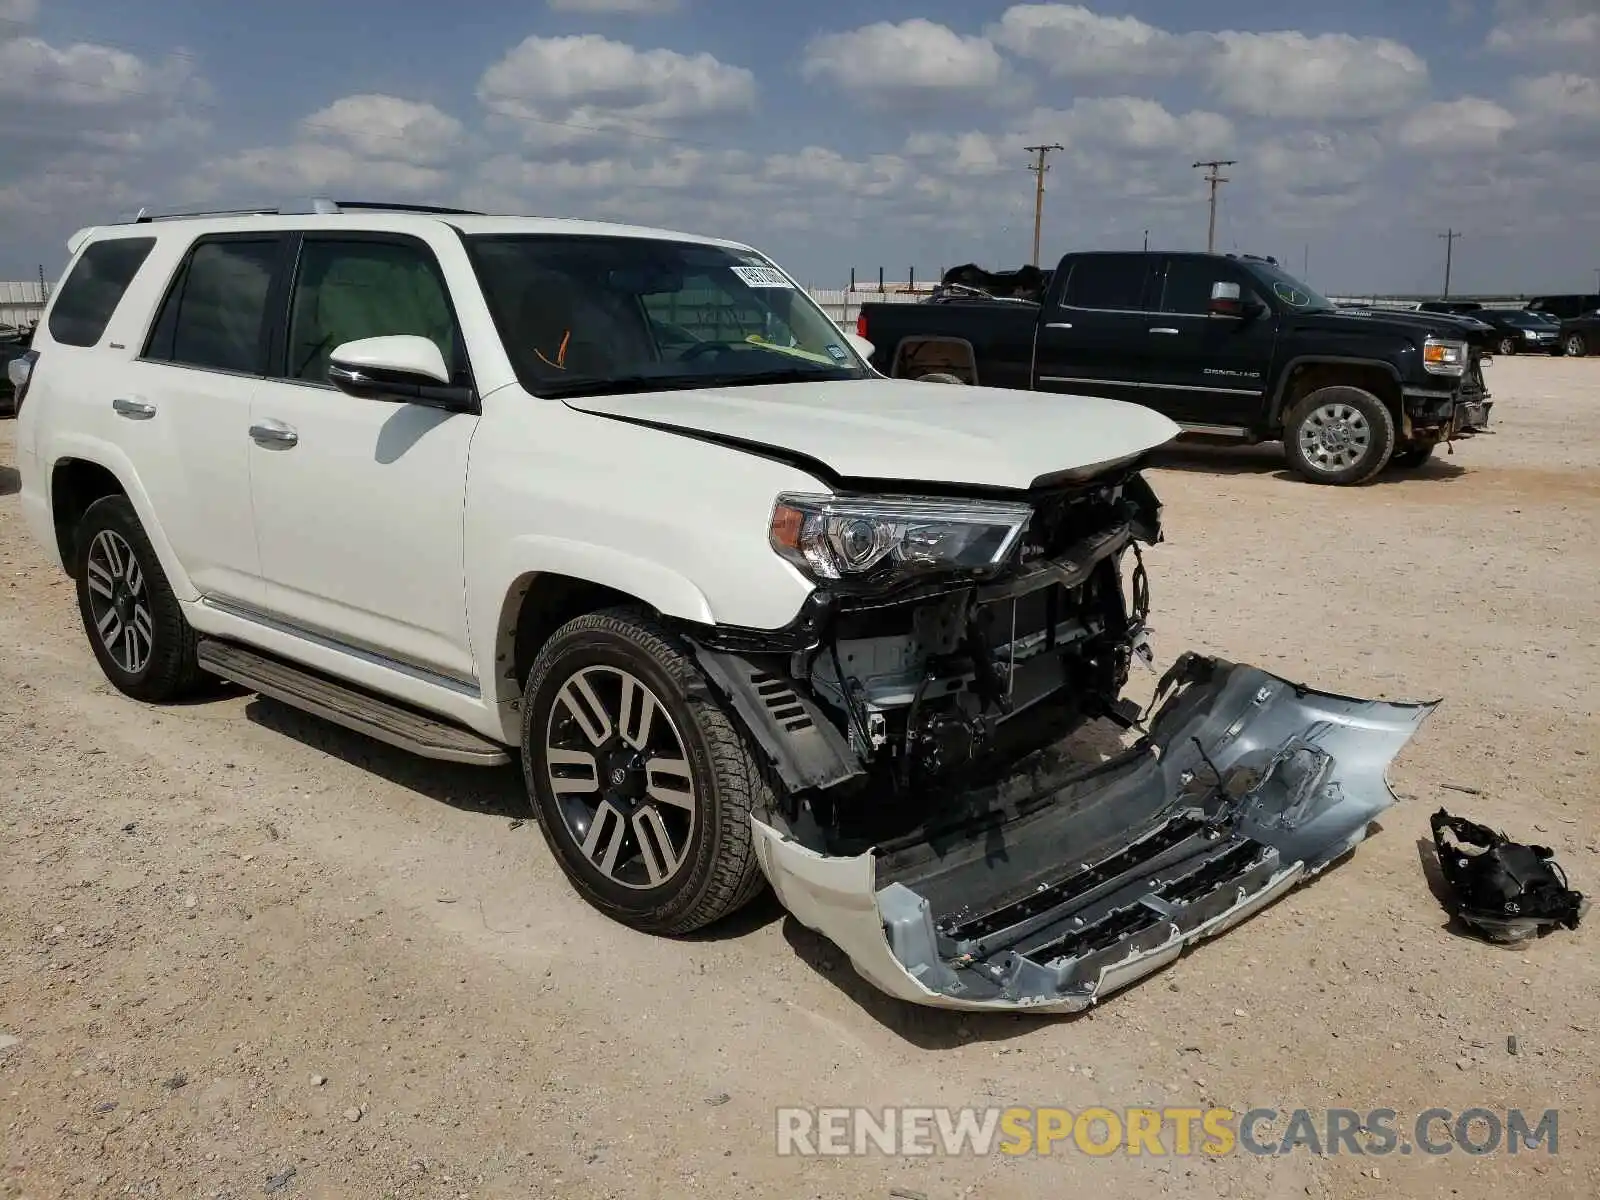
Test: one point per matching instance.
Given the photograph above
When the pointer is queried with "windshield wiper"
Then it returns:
(618, 384)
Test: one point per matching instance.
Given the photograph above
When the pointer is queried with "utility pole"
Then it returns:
(1216, 164)
(1449, 236)
(1147, 239)
(1039, 167)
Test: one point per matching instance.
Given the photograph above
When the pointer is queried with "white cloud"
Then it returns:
(1469, 125)
(315, 168)
(915, 56)
(387, 127)
(1330, 76)
(1564, 96)
(639, 8)
(1577, 33)
(1074, 41)
(1316, 162)
(563, 89)
(19, 12)
(84, 75)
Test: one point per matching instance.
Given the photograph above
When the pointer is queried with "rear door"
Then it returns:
(186, 400)
(1094, 328)
(1210, 372)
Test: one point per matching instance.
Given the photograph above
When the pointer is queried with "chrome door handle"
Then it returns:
(134, 410)
(273, 433)
(1163, 329)
(1059, 325)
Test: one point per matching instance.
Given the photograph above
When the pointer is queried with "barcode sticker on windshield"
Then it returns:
(762, 277)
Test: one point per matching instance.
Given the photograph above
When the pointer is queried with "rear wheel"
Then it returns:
(136, 629)
(643, 786)
(1577, 346)
(1339, 435)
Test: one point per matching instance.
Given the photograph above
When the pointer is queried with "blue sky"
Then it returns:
(834, 136)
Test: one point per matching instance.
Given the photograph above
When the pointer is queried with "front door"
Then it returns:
(359, 503)
(1093, 328)
(1211, 371)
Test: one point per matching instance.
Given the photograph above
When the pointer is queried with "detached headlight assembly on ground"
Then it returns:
(1441, 357)
(839, 538)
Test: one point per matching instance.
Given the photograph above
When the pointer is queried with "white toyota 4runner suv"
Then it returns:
(628, 505)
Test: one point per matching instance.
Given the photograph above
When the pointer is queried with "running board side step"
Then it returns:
(376, 717)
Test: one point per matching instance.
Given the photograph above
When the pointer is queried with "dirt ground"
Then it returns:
(236, 941)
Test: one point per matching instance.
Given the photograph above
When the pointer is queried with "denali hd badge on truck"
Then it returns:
(628, 505)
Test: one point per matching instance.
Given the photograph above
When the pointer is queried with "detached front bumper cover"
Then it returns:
(1246, 786)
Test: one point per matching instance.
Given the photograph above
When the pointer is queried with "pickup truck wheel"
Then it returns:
(1576, 346)
(136, 628)
(1339, 435)
(643, 786)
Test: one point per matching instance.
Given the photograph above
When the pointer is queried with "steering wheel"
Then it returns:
(705, 350)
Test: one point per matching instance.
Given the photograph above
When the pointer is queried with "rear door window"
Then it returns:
(94, 288)
(1115, 282)
(215, 314)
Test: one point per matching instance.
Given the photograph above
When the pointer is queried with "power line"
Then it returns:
(1216, 164)
(1449, 236)
(1039, 167)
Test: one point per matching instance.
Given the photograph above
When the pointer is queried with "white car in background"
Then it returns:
(627, 505)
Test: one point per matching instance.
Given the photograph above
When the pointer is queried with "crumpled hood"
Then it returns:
(907, 430)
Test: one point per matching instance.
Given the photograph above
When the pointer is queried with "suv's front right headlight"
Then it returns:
(870, 538)
(1441, 356)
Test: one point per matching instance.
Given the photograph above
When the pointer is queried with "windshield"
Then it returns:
(1523, 319)
(585, 315)
(1301, 297)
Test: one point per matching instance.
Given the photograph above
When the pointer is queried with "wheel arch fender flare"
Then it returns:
(493, 616)
(65, 447)
(1281, 389)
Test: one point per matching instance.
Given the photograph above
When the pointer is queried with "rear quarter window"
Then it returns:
(94, 287)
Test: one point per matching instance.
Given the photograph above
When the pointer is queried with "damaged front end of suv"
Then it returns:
(933, 816)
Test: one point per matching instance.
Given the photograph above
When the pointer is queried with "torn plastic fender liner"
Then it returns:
(1106, 874)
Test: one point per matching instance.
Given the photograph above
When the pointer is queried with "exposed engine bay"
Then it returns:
(934, 687)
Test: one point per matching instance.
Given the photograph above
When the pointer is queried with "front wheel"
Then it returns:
(1576, 346)
(643, 786)
(1508, 346)
(1339, 435)
(136, 629)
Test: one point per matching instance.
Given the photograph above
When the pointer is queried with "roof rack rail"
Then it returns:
(313, 205)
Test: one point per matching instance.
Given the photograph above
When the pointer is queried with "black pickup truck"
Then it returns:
(1228, 346)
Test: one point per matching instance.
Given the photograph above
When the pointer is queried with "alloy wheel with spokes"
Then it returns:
(133, 621)
(621, 776)
(644, 788)
(1335, 437)
(1576, 346)
(1341, 435)
(118, 602)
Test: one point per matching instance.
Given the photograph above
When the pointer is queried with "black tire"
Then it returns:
(1577, 345)
(940, 377)
(717, 871)
(1508, 346)
(1410, 458)
(1357, 410)
(169, 670)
